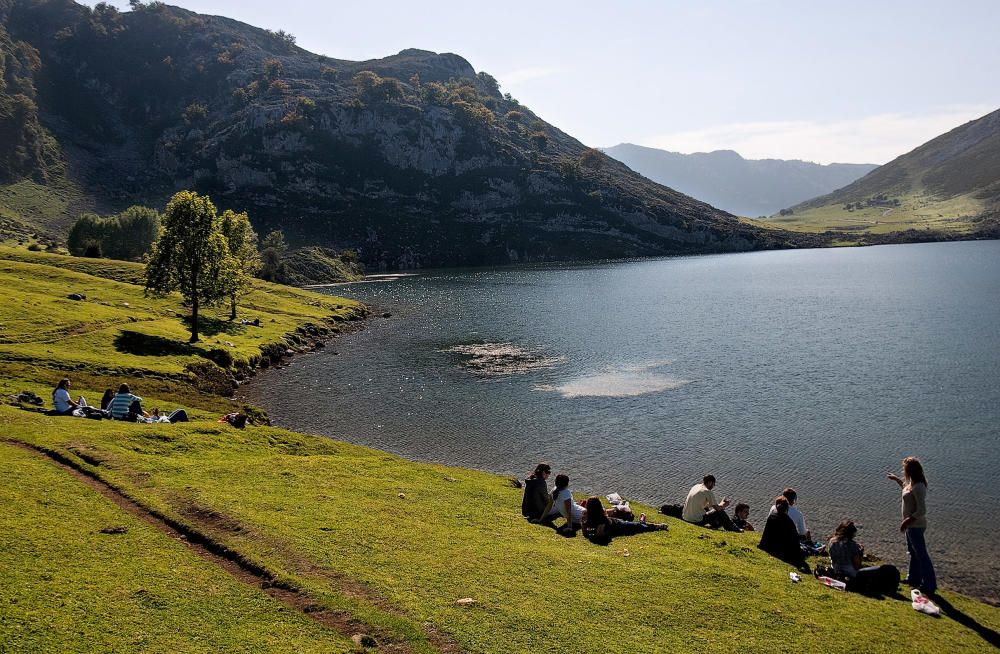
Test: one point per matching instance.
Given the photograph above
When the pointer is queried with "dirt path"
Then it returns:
(240, 567)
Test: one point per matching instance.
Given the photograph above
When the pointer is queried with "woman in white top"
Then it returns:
(914, 510)
(61, 399)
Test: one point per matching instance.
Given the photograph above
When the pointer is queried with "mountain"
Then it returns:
(414, 160)
(949, 184)
(746, 187)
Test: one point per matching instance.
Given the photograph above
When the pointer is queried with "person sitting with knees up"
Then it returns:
(561, 504)
(700, 507)
(741, 517)
(780, 539)
(599, 528)
(536, 492)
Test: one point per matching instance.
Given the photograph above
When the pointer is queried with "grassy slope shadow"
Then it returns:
(130, 342)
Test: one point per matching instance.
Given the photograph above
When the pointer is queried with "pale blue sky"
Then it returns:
(838, 81)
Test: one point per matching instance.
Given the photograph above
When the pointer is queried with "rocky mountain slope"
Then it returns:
(415, 159)
(746, 187)
(950, 183)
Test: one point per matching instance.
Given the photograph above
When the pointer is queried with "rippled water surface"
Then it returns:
(818, 369)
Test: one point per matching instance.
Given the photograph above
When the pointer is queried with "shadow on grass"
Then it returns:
(987, 634)
(213, 326)
(140, 344)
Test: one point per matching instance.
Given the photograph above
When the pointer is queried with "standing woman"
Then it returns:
(914, 485)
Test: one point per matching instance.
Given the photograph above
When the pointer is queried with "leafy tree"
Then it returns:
(272, 251)
(244, 260)
(191, 254)
(373, 89)
(128, 235)
(138, 228)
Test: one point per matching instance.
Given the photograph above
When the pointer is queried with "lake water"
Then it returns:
(818, 369)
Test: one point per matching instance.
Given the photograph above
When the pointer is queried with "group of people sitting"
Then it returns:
(599, 525)
(123, 405)
(785, 534)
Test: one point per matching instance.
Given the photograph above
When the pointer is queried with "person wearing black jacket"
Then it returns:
(781, 538)
(536, 492)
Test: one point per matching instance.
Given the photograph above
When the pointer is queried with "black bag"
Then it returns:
(883, 580)
(672, 510)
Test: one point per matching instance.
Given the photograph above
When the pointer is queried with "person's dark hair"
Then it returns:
(913, 472)
(63, 383)
(790, 495)
(562, 481)
(107, 397)
(742, 506)
(540, 470)
(124, 389)
(708, 479)
(845, 531)
(596, 515)
(781, 504)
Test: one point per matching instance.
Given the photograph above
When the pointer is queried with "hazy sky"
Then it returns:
(842, 81)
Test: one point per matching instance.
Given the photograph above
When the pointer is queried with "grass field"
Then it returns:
(916, 211)
(388, 544)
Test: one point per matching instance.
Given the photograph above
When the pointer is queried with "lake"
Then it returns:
(817, 369)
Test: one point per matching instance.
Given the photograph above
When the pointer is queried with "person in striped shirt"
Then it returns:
(121, 403)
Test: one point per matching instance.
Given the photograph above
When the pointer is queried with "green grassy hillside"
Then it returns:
(948, 185)
(383, 545)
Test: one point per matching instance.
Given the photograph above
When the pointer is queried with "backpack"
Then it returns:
(672, 510)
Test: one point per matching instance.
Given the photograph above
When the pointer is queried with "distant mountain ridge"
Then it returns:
(745, 187)
(414, 160)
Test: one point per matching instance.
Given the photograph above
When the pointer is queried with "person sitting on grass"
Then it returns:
(780, 538)
(536, 492)
(61, 400)
(846, 556)
(106, 399)
(599, 528)
(124, 404)
(796, 515)
(561, 504)
(741, 517)
(700, 507)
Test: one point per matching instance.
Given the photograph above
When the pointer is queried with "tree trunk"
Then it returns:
(232, 299)
(194, 317)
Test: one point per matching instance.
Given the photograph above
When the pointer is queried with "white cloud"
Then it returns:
(515, 77)
(872, 139)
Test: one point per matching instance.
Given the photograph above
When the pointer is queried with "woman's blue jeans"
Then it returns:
(921, 570)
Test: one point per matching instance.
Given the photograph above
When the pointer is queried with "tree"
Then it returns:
(592, 158)
(190, 255)
(244, 260)
(272, 251)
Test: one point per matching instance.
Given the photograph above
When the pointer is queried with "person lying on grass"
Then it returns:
(600, 529)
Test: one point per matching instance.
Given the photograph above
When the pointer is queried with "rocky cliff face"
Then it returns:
(415, 159)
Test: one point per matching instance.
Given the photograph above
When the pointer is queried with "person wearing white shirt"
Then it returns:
(795, 514)
(561, 504)
(700, 507)
(61, 399)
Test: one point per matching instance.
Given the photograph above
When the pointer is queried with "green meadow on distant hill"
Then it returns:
(371, 543)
